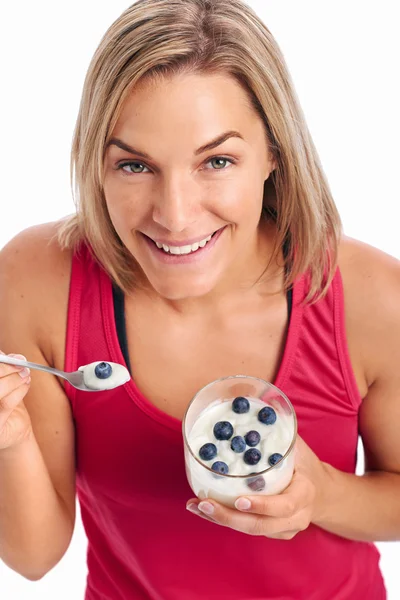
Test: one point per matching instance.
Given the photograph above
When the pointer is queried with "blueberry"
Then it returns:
(238, 444)
(252, 438)
(252, 456)
(275, 458)
(257, 484)
(223, 430)
(208, 451)
(267, 415)
(220, 467)
(103, 370)
(240, 405)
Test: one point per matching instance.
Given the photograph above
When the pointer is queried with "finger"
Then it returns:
(271, 506)
(12, 400)
(10, 383)
(288, 528)
(8, 369)
(246, 523)
(285, 535)
(192, 507)
(284, 505)
(300, 445)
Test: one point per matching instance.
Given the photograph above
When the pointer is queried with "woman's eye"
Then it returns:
(219, 163)
(134, 167)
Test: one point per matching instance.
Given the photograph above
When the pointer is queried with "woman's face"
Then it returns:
(184, 176)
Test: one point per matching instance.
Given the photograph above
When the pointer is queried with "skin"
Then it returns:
(211, 308)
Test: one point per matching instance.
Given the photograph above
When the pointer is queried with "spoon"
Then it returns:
(86, 378)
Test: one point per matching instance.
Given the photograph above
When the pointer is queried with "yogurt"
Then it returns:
(232, 453)
(109, 378)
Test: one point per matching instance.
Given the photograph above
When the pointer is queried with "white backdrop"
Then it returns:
(343, 57)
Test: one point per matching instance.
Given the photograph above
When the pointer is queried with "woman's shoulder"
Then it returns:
(370, 275)
(371, 283)
(35, 257)
(34, 282)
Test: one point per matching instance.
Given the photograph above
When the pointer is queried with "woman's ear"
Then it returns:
(271, 166)
(271, 169)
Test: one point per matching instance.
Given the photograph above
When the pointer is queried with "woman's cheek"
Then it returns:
(123, 205)
(240, 200)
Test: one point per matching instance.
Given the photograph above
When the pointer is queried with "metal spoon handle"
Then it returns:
(9, 360)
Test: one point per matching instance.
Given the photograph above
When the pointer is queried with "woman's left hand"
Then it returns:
(281, 516)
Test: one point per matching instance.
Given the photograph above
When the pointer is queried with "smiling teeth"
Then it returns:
(183, 249)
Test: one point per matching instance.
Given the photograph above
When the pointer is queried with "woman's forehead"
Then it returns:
(200, 105)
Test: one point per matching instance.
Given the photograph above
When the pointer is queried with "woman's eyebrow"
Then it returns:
(209, 146)
(218, 141)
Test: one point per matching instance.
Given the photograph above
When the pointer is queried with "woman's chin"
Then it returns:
(180, 290)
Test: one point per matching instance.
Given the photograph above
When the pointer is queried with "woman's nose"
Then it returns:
(175, 208)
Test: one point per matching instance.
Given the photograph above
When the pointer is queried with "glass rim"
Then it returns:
(248, 475)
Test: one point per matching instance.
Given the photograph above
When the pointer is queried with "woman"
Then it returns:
(206, 243)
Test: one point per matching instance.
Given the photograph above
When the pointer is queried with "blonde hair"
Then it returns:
(165, 37)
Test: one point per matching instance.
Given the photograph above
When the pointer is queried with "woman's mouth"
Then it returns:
(188, 249)
(184, 253)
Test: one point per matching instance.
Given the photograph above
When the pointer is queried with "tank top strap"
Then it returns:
(88, 298)
(341, 340)
(318, 376)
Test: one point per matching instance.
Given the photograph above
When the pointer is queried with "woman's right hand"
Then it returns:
(15, 423)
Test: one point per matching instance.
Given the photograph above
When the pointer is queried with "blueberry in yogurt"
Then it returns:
(240, 405)
(267, 415)
(103, 370)
(257, 484)
(238, 444)
(252, 438)
(220, 467)
(208, 451)
(223, 430)
(252, 456)
(275, 458)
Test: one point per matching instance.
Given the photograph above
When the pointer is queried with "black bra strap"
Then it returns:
(120, 323)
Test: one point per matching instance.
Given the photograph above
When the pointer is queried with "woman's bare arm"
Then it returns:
(368, 507)
(37, 480)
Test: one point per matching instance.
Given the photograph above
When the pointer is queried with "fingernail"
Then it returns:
(243, 504)
(20, 356)
(193, 509)
(24, 373)
(206, 508)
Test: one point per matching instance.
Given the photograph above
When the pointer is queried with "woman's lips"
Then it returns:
(178, 259)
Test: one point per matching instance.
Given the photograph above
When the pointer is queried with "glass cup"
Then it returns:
(268, 480)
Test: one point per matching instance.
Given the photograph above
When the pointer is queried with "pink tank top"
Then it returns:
(132, 488)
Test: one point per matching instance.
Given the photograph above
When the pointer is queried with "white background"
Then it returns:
(343, 57)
